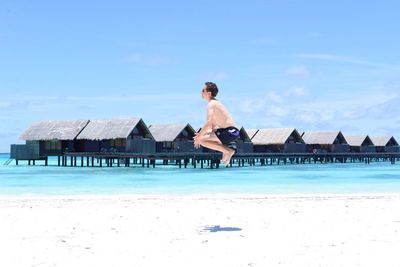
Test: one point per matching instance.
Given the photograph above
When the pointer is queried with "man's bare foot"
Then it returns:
(224, 156)
(226, 159)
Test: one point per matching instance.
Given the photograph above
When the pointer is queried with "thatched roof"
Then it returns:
(383, 140)
(251, 132)
(109, 128)
(54, 130)
(358, 140)
(275, 136)
(323, 138)
(169, 132)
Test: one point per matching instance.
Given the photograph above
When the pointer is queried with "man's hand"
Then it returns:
(196, 139)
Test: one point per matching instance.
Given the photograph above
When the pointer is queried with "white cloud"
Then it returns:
(37, 100)
(350, 114)
(16, 105)
(133, 98)
(279, 111)
(371, 113)
(298, 71)
(307, 117)
(271, 105)
(388, 109)
(272, 102)
(343, 59)
(251, 105)
(296, 91)
(275, 97)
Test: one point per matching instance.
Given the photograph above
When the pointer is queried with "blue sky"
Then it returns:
(311, 65)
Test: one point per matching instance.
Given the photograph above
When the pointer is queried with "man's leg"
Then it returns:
(214, 146)
(211, 141)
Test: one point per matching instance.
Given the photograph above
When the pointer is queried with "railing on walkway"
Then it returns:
(212, 160)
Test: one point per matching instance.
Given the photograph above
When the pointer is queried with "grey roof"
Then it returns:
(54, 130)
(109, 128)
(382, 140)
(356, 140)
(273, 136)
(251, 132)
(321, 138)
(168, 132)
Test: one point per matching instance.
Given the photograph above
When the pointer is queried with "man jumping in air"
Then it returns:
(219, 131)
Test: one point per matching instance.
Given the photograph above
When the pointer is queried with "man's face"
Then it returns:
(204, 93)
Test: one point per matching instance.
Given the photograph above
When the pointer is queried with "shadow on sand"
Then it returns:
(218, 228)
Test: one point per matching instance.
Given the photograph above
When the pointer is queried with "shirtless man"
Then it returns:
(219, 129)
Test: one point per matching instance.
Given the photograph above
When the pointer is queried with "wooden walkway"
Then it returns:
(212, 160)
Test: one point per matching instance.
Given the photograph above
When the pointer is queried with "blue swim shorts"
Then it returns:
(227, 135)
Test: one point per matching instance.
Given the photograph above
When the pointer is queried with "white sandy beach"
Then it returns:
(358, 230)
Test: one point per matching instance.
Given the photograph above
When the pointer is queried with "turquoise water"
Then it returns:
(314, 178)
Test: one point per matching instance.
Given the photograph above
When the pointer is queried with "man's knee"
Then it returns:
(202, 140)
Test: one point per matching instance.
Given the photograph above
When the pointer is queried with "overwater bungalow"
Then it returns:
(326, 141)
(273, 140)
(173, 137)
(385, 144)
(48, 138)
(116, 135)
(360, 143)
(244, 144)
(112, 137)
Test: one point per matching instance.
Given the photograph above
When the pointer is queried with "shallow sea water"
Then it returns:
(336, 178)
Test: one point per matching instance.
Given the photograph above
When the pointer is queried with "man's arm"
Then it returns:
(210, 120)
(208, 125)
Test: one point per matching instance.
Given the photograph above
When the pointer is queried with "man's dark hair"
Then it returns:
(212, 87)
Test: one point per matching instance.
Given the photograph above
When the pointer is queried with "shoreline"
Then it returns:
(202, 196)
